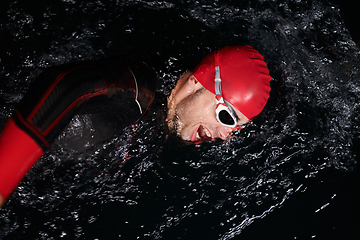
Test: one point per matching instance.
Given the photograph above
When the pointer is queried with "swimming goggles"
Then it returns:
(225, 114)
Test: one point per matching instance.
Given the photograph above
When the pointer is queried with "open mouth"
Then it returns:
(201, 134)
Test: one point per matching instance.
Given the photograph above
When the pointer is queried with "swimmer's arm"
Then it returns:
(45, 110)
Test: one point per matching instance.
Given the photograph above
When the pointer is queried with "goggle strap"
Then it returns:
(217, 81)
(217, 74)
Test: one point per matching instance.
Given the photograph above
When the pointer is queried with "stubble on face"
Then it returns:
(178, 121)
(177, 124)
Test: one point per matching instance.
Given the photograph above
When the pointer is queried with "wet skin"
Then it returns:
(192, 112)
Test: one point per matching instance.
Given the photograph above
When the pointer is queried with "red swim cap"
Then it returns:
(245, 79)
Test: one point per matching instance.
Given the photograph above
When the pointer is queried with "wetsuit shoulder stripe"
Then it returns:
(49, 91)
(69, 108)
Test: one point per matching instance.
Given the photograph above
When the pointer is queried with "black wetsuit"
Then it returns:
(109, 87)
(121, 88)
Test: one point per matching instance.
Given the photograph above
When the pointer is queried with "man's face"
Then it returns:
(195, 119)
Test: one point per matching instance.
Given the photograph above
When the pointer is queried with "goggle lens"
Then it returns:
(226, 118)
(224, 113)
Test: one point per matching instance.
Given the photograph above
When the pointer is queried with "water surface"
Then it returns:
(291, 175)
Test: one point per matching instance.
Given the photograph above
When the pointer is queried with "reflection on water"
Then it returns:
(165, 190)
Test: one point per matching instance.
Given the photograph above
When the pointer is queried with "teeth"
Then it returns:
(208, 134)
(197, 135)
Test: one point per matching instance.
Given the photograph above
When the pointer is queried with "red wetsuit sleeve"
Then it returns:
(18, 152)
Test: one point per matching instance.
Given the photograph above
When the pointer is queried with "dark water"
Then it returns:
(292, 175)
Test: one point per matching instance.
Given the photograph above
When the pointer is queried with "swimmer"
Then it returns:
(224, 92)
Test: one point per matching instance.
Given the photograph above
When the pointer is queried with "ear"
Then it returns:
(194, 83)
(186, 85)
(193, 79)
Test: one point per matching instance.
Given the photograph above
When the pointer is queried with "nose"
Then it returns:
(224, 132)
